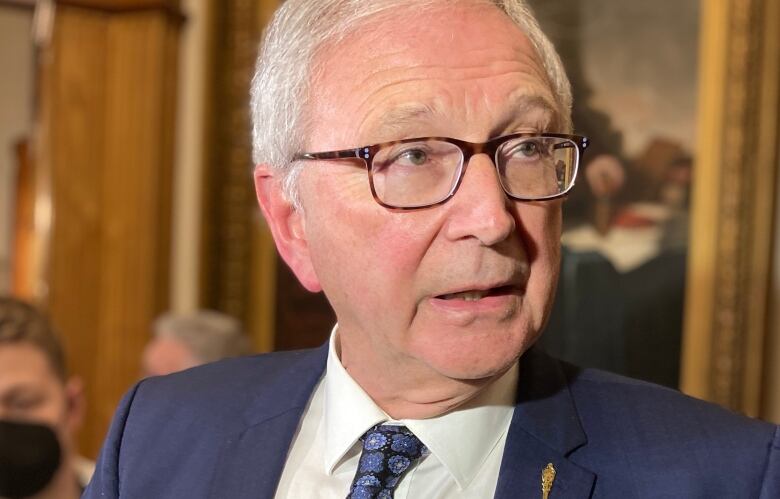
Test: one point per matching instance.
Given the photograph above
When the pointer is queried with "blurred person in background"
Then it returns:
(37, 395)
(181, 341)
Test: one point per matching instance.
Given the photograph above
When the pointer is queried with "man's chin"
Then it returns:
(475, 367)
(475, 357)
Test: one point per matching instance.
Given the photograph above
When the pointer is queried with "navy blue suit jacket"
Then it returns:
(224, 430)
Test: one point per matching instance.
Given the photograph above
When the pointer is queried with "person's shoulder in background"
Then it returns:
(223, 390)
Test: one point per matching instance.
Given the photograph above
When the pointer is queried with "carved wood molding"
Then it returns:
(117, 7)
(18, 4)
(106, 139)
(732, 215)
(122, 5)
(230, 196)
(735, 212)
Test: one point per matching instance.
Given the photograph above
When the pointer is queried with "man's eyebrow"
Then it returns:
(526, 102)
(529, 111)
(398, 120)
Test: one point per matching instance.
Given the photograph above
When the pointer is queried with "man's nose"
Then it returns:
(480, 209)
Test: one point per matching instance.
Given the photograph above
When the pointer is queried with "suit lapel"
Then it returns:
(252, 458)
(521, 472)
(545, 429)
(252, 461)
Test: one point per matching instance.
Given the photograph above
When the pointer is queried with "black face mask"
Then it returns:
(30, 455)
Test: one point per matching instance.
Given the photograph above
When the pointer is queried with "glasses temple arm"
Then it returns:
(344, 154)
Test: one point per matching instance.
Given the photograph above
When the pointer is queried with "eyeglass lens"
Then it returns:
(422, 173)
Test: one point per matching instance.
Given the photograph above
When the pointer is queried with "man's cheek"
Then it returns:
(404, 243)
(394, 256)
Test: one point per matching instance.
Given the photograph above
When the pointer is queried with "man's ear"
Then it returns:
(287, 225)
(75, 404)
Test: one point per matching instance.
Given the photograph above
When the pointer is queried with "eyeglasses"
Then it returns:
(417, 173)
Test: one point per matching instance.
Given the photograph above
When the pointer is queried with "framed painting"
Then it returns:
(633, 69)
(667, 240)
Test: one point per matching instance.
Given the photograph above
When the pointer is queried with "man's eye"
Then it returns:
(416, 157)
(527, 149)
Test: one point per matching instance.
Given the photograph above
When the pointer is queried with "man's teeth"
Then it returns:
(466, 295)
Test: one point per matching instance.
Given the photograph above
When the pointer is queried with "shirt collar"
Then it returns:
(349, 412)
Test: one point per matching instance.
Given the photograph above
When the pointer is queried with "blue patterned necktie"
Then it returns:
(389, 451)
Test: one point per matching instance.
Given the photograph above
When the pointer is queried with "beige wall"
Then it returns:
(16, 82)
(188, 167)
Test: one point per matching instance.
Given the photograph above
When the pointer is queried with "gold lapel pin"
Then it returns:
(548, 477)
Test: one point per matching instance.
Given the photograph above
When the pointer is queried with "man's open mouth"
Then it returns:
(475, 294)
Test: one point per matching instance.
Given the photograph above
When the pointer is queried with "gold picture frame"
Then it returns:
(729, 258)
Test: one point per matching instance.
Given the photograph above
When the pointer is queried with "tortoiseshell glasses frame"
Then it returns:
(418, 173)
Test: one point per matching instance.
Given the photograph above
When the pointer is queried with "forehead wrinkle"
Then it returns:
(391, 125)
(515, 63)
(514, 60)
(396, 122)
(523, 110)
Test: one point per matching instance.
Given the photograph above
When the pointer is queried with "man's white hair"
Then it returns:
(209, 335)
(300, 28)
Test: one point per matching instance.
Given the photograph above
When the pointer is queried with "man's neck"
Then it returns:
(411, 390)
(63, 486)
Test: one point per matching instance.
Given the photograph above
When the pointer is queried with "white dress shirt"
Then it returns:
(466, 444)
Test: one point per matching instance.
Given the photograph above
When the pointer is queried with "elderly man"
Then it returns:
(182, 341)
(411, 161)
